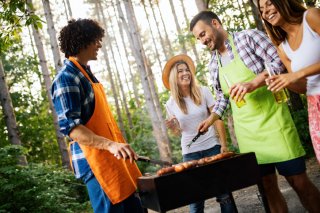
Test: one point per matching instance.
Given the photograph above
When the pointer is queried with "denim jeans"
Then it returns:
(224, 200)
(101, 203)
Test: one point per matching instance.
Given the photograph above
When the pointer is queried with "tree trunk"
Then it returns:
(117, 72)
(152, 36)
(32, 44)
(124, 101)
(102, 19)
(194, 49)
(201, 5)
(137, 48)
(134, 86)
(154, 92)
(184, 50)
(113, 89)
(155, 98)
(168, 42)
(52, 33)
(65, 9)
(69, 8)
(9, 116)
(256, 16)
(116, 44)
(160, 36)
(242, 20)
(246, 12)
(47, 84)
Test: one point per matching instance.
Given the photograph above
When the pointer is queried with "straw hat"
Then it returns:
(172, 61)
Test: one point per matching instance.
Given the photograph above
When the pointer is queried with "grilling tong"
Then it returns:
(195, 138)
(166, 163)
(158, 162)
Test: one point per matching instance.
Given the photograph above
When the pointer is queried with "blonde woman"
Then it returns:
(188, 105)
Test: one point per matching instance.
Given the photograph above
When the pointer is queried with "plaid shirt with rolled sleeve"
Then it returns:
(254, 49)
(74, 102)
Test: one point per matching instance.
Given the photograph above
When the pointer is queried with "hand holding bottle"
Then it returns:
(279, 95)
(240, 102)
(172, 123)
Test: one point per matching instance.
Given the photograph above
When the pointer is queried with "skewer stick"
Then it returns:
(268, 69)
(227, 80)
(168, 112)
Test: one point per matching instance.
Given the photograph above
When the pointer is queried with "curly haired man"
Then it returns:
(99, 154)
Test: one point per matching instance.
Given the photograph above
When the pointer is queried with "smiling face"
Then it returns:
(184, 75)
(209, 35)
(95, 49)
(270, 13)
(91, 51)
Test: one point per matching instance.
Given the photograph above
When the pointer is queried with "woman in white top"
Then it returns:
(189, 105)
(296, 32)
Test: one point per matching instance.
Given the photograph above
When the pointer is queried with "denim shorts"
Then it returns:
(201, 154)
(287, 168)
(226, 205)
(101, 203)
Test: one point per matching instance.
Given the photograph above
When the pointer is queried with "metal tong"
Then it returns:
(195, 138)
(158, 162)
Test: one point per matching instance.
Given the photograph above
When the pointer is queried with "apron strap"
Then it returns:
(75, 62)
(233, 48)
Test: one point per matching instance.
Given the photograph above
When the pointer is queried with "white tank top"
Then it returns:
(308, 53)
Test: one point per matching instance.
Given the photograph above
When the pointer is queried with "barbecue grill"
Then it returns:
(170, 191)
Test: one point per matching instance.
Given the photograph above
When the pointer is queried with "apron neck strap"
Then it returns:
(75, 62)
(233, 48)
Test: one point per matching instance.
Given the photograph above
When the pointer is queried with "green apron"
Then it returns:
(262, 125)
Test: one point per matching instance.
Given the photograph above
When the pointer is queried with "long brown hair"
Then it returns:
(176, 94)
(291, 11)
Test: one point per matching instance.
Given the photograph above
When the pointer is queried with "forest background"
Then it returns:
(35, 174)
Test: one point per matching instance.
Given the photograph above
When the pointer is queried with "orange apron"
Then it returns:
(118, 178)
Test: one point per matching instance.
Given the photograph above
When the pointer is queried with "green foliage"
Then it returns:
(13, 15)
(21, 70)
(201, 73)
(9, 154)
(232, 16)
(140, 136)
(38, 188)
(174, 140)
(312, 3)
(31, 106)
(176, 148)
(300, 119)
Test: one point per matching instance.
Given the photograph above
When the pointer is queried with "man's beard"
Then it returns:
(218, 39)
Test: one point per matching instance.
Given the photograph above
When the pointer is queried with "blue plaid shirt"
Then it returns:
(254, 48)
(73, 100)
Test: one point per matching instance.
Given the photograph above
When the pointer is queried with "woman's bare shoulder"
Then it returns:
(313, 19)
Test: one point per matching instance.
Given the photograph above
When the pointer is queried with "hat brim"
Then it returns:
(172, 61)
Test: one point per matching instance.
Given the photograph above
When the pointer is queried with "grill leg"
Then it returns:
(233, 202)
(145, 210)
(263, 197)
